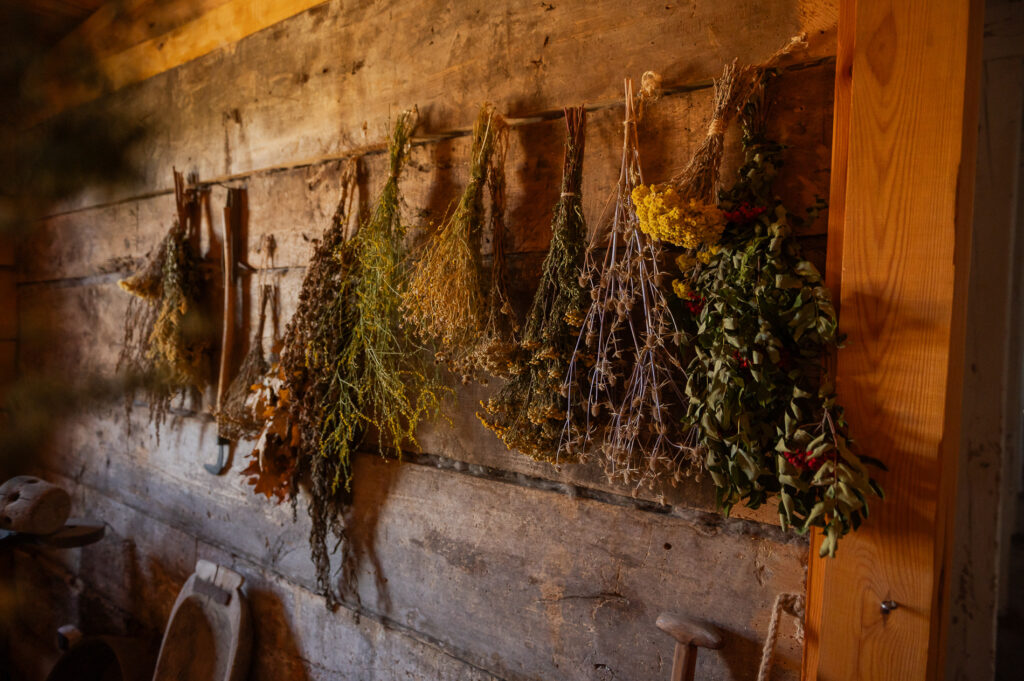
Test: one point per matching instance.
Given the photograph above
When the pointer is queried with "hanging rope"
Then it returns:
(792, 604)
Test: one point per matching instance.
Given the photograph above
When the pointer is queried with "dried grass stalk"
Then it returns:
(529, 411)
(445, 301)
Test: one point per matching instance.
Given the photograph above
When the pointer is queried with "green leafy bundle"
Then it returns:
(529, 411)
(763, 328)
(360, 372)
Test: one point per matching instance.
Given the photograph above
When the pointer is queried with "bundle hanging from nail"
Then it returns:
(529, 411)
(165, 338)
(625, 370)
(761, 328)
(502, 326)
(360, 371)
(240, 418)
(683, 210)
(289, 396)
(445, 302)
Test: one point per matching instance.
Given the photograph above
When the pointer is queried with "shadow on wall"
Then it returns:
(44, 161)
(275, 652)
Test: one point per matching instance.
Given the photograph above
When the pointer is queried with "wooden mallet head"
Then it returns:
(689, 635)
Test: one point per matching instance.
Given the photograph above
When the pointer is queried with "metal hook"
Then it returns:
(888, 606)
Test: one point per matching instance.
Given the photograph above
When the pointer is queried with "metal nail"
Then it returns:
(888, 606)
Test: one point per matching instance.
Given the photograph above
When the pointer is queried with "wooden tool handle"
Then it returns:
(227, 340)
(684, 662)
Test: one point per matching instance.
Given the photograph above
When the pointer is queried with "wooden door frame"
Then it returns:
(903, 159)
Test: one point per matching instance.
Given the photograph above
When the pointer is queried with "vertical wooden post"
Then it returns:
(899, 239)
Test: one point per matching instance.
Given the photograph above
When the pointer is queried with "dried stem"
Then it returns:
(627, 344)
(528, 412)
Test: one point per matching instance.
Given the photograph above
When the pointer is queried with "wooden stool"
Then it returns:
(689, 635)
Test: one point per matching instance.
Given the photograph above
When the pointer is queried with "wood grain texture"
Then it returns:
(841, 107)
(469, 561)
(128, 44)
(524, 583)
(144, 561)
(323, 83)
(905, 240)
(295, 205)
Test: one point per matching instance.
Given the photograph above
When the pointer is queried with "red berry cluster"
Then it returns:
(741, 359)
(694, 303)
(744, 213)
(802, 460)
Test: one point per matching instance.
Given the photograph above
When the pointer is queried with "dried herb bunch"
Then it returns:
(628, 347)
(350, 366)
(529, 411)
(314, 338)
(499, 341)
(240, 416)
(380, 368)
(445, 302)
(682, 211)
(763, 328)
(165, 340)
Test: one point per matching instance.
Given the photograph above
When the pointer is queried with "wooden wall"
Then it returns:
(467, 561)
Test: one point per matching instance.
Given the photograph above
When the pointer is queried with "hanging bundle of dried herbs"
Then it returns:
(445, 301)
(499, 343)
(313, 339)
(305, 387)
(529, 411)
(763, 328)
(348, 367)
(682, 211)
(381, 381)
(628, 348)
(165, 342)
(240, 417)
(290, 396)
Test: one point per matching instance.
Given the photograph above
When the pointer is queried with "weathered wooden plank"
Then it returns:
(296, 205)
(71, 331)
(522, 582)
(986, 460)
(141, 565)
(257, 105)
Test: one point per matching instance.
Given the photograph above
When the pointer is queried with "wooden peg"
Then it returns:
(689, 635)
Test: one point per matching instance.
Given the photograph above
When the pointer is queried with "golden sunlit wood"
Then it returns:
(904, 151)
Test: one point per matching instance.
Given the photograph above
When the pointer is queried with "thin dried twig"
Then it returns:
(627, 349)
